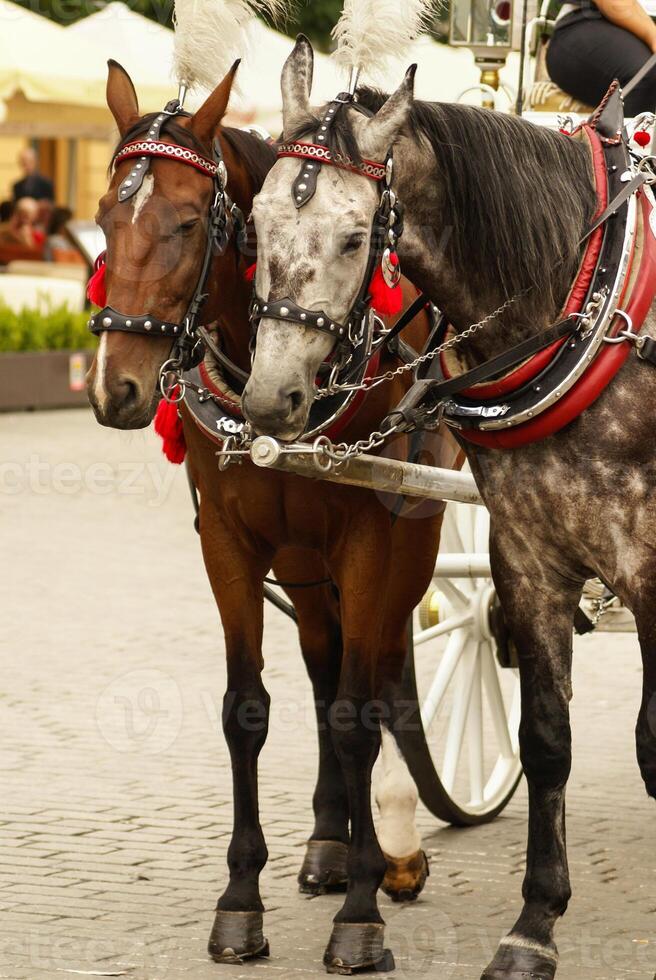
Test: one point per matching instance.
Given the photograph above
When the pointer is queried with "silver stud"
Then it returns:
(323, 129)
(303, 316)
(128, 183)
(92, 322)
(320, 321)
(302, 187)
(163, 328)
(107, 321)
(265, 309)
(175, 330)
(138, 166)
(283, 311)
(321, 137)
(306, 176)
(147, 325)
(310, 166)
(299, 198)
(332, 326)
(128, 323)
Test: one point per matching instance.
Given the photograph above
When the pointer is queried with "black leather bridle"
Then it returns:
(386, 230)
(188, 348)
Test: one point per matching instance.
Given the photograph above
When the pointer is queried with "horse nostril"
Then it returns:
(296, 399)
(128, 392)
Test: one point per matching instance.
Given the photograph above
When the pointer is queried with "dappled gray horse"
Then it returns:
(515, 202)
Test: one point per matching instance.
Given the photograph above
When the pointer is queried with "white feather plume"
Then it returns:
(211, 34)
(370, 33)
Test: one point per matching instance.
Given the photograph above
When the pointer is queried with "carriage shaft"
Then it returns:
(372, 473)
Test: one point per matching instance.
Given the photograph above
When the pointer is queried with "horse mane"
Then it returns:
(515, 196)
(256, 155)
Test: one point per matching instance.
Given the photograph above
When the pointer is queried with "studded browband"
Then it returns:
(188, 347)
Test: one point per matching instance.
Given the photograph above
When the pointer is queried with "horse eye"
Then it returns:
(188, 225)
(353, 243)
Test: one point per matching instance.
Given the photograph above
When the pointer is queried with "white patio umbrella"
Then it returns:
(45, 61)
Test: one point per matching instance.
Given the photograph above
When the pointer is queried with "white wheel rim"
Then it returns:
(470, 705)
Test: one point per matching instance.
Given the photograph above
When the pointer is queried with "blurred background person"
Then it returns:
(32, 184)
(596, 42)
(22, 226)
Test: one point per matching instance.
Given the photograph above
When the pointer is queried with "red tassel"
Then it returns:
(386, 300)
(249, 275)
(642, 138)
(96, 288)
(168, 425)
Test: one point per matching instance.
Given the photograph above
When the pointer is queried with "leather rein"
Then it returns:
(189, 346)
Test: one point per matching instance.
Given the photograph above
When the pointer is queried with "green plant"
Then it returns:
(52, 329)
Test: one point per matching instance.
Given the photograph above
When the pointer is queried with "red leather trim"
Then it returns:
(531, 368)
(229, 402)
(335, 430)
(602, 370)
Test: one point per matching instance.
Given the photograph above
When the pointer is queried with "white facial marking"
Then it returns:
(101, 366)
(142, 196)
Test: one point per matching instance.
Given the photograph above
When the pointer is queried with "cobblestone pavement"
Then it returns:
(116, 807)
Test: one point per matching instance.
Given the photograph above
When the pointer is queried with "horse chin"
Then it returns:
(122, 416)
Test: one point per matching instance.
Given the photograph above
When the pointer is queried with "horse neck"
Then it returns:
(468, 278)
(229, 293)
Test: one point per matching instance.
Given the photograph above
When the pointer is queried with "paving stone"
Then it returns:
(116, 804)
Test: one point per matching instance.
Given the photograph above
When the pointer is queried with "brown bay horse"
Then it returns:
(353, 627)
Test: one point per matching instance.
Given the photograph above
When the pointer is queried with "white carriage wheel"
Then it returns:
(468, 767)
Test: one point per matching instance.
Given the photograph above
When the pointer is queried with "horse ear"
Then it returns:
(381, 131)
(205, 122)
(121, 97)
(296, 84)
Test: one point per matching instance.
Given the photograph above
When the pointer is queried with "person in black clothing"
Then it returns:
(33, 184)
(596, 42)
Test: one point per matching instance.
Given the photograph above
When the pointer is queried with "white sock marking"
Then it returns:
(397, 797)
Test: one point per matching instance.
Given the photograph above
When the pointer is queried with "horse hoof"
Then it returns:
(519, 963)
(324, 867)
(357, 948)
(405, 877)
(237, 936)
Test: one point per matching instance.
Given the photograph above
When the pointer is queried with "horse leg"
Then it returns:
(415, 542)
(236, 579)
(396, 797)
(645, 614)
(360, 564)
(539, 605)
(324, 865)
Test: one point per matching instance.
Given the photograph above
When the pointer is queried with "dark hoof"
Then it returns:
(517, 963)
(237, 936)
(405, 877)
(357, 948)
(324, 867)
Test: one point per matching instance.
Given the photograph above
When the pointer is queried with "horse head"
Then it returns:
(156, 241)
(314, 250)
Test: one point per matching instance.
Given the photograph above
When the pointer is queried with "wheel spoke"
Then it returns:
(448, 626)
(458, 721)
(496, 702)
(475, 734)
(448, 664)
(453, 593)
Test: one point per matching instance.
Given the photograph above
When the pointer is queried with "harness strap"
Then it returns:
(627, 191)
(438, 390)
(639, 75)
